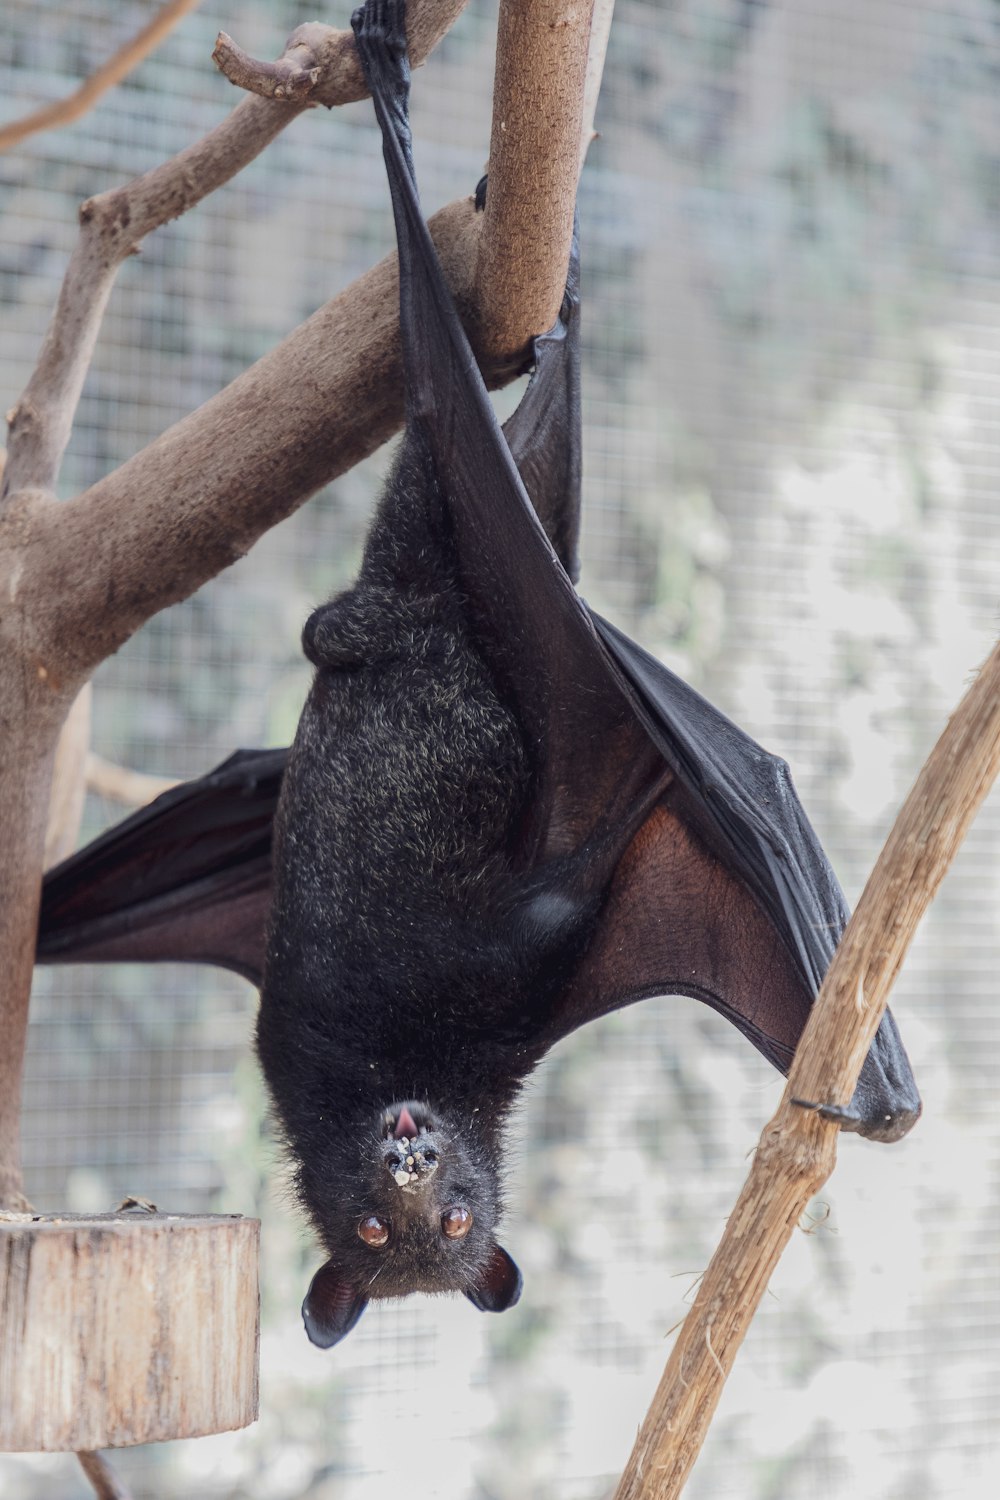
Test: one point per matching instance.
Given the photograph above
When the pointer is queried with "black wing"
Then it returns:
(675, 805)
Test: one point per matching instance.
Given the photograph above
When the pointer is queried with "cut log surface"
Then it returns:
(125, 1328)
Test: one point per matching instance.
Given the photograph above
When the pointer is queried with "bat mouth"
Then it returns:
(406, 1122)
(410, 1151)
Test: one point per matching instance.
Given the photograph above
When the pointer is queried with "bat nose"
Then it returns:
(411, 1166)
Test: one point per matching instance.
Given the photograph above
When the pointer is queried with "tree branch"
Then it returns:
(104, 1481)
(113, 224)
(69, 781)
(113, 71)
(320, 64)
(535, 155)
(155, 529)
(797, 1149)
(122, 784)
(600, 35)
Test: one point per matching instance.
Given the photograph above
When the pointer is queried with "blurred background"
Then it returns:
(791, 238)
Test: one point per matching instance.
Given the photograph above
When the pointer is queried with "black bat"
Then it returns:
(500, 819)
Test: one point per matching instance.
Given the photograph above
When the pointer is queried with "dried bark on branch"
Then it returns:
(797, 1149)
(320, 64)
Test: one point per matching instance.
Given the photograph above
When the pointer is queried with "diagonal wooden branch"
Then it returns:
(104, 1481)
(127, 58)
(797, 1149)
(113, 225)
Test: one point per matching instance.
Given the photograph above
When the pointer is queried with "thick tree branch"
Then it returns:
(127, 58)
(535, 154)
(173, 516)
(797, 1149)
(197, 498)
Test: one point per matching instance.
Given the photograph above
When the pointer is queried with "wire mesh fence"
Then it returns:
(791, 235)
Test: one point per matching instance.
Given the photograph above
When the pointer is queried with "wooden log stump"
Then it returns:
(125, 1328)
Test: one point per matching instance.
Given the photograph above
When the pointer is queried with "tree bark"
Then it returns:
(125, 1328)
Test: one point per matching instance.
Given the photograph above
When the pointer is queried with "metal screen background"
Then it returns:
(790, 226)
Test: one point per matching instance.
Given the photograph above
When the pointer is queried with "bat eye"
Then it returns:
(374, 1231)
(456, 1223)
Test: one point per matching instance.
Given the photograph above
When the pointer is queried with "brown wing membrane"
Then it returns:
(677, 922)
(187, 878)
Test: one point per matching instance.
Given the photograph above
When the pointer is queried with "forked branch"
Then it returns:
(113, 225)
(797, 1149)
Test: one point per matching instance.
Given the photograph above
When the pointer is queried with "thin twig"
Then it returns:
(285, 79)
(797, 1149)
(600, 34)
(121, 784)
(69, 785)
(106, 1483)
(127, 58)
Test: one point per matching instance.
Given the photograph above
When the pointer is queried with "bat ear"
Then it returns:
(331, 1308)
(499, 1284)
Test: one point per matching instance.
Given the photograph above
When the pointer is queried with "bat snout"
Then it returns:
(411, 1163)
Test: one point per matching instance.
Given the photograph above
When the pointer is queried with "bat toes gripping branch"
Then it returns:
(381, 23)
(844, 1116)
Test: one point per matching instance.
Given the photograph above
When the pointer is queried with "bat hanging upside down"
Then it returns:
(500, 819)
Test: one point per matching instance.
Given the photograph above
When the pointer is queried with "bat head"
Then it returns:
(411, 1206)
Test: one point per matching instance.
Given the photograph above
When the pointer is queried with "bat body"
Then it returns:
(500, 819)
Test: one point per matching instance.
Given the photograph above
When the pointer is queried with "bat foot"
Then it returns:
(842, 1115)
(381, 24)
(876, 1125)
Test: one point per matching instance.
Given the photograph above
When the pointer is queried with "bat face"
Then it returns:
(417, 1206)
(408, 1206)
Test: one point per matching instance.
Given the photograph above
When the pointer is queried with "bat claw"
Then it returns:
(842, 1115)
